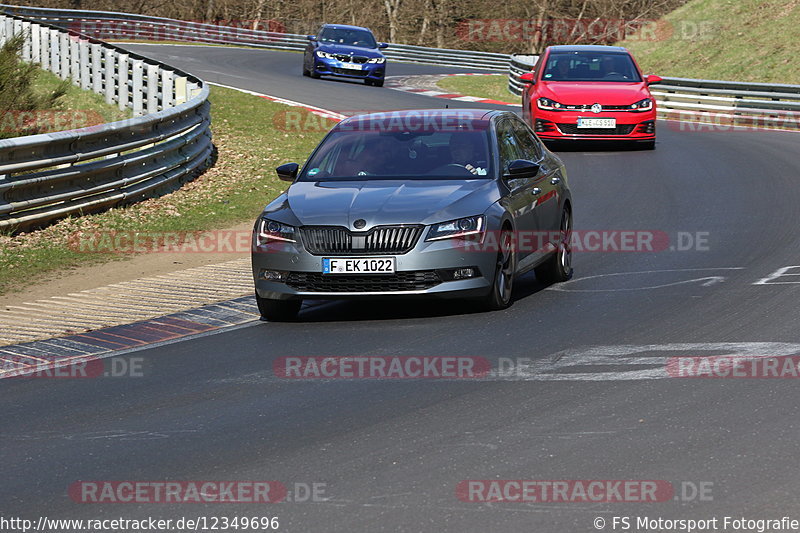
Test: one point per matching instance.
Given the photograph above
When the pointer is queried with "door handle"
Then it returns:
(536, 191)
(555, 181)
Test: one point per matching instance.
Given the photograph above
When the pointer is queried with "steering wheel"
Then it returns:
(451, 169)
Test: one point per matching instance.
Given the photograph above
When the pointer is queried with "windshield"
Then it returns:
(349, 37)
(590, 66)
(374, 155)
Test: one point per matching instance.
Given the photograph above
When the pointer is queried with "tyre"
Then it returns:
(649, 145)
(368, 82)
(558, 267)
(305, 72)
(378, 83)
(500, 295)
(313, 73)
(278, 310)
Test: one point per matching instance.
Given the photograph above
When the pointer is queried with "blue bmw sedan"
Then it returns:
(347, 52)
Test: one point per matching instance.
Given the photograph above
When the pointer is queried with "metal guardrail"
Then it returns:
(52, 175)
(517, 66)
(109, 25)
(722, 103)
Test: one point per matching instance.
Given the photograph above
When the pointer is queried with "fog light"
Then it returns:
(273, 275)
(463, 273)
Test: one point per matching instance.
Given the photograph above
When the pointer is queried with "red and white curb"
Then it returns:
(425, 85)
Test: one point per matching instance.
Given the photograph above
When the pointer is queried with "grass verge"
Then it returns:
(235, 190)
(88, 108)
(737, 40)
(494, 86)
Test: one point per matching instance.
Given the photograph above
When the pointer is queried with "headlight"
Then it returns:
(376, 60)
(643, 105)
(546, 103)
(324, 55)
(456, 228)
(271, 231)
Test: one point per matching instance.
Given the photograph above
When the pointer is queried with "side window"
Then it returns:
(528, 143)
(508, 146)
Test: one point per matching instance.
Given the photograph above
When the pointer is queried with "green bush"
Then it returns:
(18, 93)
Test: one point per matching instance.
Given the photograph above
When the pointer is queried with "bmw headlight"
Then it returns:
(324, 55)
(269, 231)
(456, 228)
(378, 60)
(643, 105)
(548, 104)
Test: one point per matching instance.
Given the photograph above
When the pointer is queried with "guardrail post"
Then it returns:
(136, 88)
(55, 50)
(74, 61)
(44, 47)
(109, 75)
(35, 34)
(63, 56)
(180, 90)
(85, 66)
(122, 81)
(27, 53)
(97, 68)
(167, 88)
(9, 28)
(152, 88)
(2, 29)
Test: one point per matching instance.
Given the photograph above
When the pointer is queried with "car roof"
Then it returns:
(345, 27)
(587, 48)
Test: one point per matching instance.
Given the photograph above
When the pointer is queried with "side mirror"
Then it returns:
(311, 37)
(528, 77)
(287, 171)
(652, 79)
(383, 45)
(521, 168)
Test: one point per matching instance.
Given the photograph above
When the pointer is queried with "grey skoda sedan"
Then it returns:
(431, 203)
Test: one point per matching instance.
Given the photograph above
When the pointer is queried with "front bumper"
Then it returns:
(563, 125)
(423, 271)
(332, 67)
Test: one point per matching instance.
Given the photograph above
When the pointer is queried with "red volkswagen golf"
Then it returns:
(590, 92)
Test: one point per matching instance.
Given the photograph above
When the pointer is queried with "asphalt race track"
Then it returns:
(391, 453)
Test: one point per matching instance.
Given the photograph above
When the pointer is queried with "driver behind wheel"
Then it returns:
(463, 152)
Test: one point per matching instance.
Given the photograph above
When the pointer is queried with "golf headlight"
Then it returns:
(456, 228)
(643, 105)
(270, 231)
(376, 60)
(324, 55)
(550, 105)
